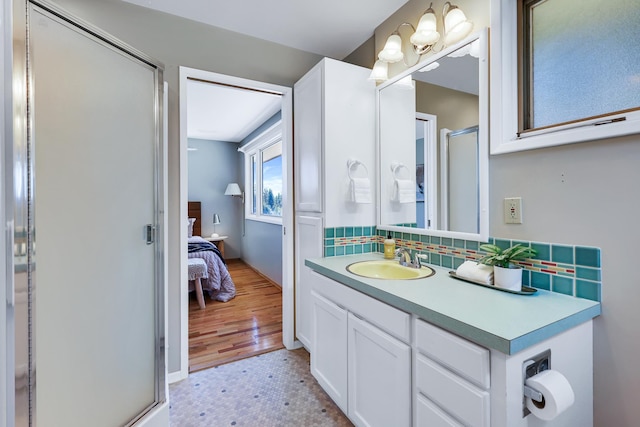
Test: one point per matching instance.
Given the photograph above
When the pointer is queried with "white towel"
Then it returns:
(360, 190)
(478, 272)
(404, 191)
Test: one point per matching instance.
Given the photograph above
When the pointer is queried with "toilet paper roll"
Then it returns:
(556, 392)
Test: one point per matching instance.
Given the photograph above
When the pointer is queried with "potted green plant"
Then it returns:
(506, 274)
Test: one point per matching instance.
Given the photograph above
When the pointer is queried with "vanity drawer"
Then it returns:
(429, 415)
(458, 397)
(465, 358)
(378, 313)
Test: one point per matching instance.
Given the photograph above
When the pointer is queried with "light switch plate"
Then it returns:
(513, 210)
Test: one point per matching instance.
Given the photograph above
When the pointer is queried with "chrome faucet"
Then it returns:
(405, 258)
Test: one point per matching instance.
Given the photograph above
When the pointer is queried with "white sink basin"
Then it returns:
(388, 269)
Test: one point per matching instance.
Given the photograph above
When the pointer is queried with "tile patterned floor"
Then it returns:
(273, 389)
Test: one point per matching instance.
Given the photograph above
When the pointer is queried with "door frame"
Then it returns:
(288, 335)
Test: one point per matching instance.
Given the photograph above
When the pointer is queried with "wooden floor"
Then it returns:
(247, 325)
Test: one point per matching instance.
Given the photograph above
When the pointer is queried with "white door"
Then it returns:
(96, 318)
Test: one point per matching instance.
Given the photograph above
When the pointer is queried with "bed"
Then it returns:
(218, 284)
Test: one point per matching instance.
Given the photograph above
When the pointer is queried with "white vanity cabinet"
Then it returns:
(452, 379)
(361, 354)
(329, 357)
(308, 244)
(440, 352)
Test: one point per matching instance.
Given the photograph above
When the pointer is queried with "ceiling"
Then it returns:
(225, 113)
(332, 28)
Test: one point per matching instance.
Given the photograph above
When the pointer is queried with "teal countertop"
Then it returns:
(498, 320)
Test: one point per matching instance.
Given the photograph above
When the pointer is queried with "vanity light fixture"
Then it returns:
(392, 51)
(456, 25)
(422, 40)
(380, 71)
(426, 35)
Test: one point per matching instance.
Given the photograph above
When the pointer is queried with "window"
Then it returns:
(573, 76)
(263, 169)
(272, 180)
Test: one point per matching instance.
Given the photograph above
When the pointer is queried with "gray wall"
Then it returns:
(181, 42)
(364, 55)
(262, 248)
(581, 194)
(587, 194)
(211, 168)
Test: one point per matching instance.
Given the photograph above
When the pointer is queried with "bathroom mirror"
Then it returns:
(433, 145)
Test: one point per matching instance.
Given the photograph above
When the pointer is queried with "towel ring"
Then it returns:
(353, 164)
(395, 168)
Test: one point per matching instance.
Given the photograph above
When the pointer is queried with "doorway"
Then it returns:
(285, 94)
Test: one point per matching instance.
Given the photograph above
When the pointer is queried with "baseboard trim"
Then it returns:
(259, 273)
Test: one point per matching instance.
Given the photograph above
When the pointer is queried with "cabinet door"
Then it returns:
(308, 137)
(308, 244)
(379, 376)
(329, 357)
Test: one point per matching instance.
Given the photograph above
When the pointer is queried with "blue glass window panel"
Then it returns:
(272, 186)
(585, 59)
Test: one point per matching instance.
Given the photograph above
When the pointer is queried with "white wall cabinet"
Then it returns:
(366, 370)
(335, 113)
(308, 108)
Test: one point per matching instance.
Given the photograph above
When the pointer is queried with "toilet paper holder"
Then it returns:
(533, 366)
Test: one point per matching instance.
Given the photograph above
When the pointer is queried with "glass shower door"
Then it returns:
(95, 334)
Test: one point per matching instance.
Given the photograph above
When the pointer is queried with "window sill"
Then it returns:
(267, 219)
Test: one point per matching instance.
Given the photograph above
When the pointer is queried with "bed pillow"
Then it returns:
(190, 229)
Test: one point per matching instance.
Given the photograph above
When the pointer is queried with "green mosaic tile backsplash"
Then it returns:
(570, 270)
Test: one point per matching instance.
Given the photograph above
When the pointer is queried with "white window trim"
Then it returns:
(269, 136)
(504, 98)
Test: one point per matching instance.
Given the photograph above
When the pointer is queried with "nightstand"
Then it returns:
(218, 241)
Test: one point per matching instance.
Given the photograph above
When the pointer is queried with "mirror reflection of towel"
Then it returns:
(404, 191)
(360, 190)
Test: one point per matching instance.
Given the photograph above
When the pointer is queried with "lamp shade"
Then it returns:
(456, 25)
(216, 219)
(380, 71)
(426, 34)
(392, 51)
(233, 189)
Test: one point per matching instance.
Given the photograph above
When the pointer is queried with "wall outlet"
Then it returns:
(513, 210)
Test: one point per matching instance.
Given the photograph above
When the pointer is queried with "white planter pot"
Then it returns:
(507, 278)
